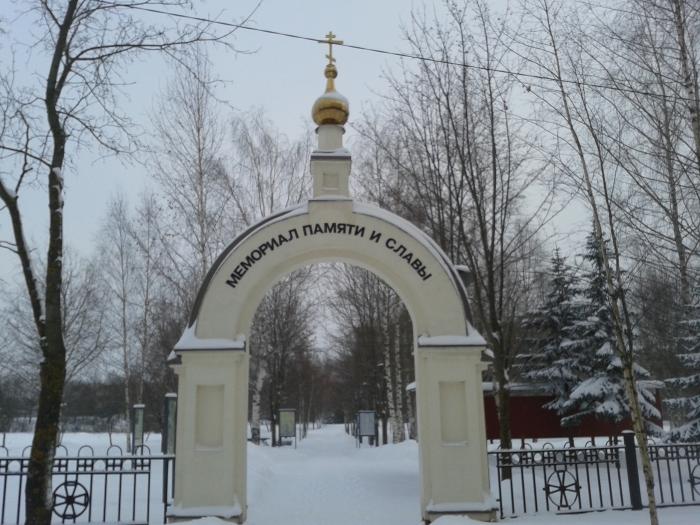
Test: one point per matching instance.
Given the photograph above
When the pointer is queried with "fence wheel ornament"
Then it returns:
(562, 489)
(70, 500)
(695, 479)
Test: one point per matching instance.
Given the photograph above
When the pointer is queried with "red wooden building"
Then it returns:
(529, 420)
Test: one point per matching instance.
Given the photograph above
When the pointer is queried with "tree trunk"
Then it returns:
(38, 491)
(399, 431)
(388, 362)
(690, 81)
(273, 419)
(502, 399)
(145, 320)
(53, 367)
(614, 284)
(642, 441)
(127, 367)
(127, 383)
(39, 487)
(309, 416)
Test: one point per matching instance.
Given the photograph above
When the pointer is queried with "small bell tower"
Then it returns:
(330, 161)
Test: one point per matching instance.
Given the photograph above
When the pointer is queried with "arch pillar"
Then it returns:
(211, 454)
(212, 431)
(451, 433)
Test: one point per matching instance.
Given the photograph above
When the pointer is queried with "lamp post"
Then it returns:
(137, 427)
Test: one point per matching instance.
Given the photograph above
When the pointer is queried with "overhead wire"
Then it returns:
(500, 70)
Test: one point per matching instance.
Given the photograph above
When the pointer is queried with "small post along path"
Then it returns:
(327, 479)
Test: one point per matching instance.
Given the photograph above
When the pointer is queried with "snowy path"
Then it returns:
(328, 480)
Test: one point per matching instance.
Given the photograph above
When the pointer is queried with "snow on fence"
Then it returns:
(592, 478)
(113, 488)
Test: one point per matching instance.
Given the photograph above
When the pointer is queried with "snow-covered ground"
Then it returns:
(327, 479)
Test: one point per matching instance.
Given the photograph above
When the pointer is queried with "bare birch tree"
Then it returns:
(641, 51)
(118, 259)
(649, 52)
(76, 103)
(147, 283)
(84, 325)
(281, 341)
(583, 158)
(453, 159)
(270, 172)
(374, 335)
(188, 163)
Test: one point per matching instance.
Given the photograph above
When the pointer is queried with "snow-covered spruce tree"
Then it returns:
(590, 340)
(687, 402)
(549, 362)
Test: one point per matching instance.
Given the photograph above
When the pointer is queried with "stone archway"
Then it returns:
(212, 361)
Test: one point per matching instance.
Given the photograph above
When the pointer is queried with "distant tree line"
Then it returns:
(372, 351)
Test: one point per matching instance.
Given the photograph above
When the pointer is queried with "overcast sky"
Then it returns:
(282, 75)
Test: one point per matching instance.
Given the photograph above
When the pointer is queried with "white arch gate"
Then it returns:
(212, 361)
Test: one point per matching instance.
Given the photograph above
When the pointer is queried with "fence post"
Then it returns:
(632, 469)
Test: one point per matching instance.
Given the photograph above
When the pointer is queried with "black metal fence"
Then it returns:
(677, 473)
(593, 478)
(136, 489)
(87, 488)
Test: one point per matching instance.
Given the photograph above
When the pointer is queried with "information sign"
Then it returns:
(288, 424)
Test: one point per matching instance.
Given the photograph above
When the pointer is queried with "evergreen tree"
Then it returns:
(549, 362)
(688, 387)
(589, 339)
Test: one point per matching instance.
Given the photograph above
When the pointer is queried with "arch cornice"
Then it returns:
(332, 230)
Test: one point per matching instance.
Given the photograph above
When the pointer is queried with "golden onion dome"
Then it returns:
(331, 107)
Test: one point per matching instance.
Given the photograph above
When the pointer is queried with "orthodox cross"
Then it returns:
(330, 40)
